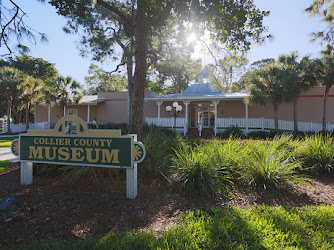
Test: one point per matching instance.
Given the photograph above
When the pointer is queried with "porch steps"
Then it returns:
(207, 133)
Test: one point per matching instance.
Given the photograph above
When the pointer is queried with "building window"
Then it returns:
(71, 111)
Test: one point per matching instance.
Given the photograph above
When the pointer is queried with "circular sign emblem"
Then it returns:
(15, 147)
(138, 152)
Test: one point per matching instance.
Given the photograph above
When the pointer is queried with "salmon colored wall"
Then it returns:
(234, 109)
(115, 111)
(309, 107)
(57, 113)
(115, 108)
(150, 109)
(41, 113)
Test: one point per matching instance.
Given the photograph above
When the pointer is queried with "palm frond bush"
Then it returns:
(225, 153)
(317, 153)
(159, 153)
(269, 164)
(232, 131)
(94, 175)
(200, 172)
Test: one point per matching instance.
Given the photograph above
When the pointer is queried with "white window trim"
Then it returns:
(71, 111)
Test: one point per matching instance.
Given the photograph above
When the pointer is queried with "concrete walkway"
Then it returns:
(6, 155)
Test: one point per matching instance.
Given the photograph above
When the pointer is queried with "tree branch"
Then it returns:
(3, 35)
(118, 40)
(117, 68)
(119, 13)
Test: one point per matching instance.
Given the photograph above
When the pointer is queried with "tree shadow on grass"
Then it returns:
(304, 229)
(223, 228)
(246, 196)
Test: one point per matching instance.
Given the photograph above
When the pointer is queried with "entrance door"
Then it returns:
(206, 120)
(203, 116)
(198, 113)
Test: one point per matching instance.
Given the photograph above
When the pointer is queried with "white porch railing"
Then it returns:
(166, 122)
(18, 128)
(253, 123)
(262, 123)
(41, 125)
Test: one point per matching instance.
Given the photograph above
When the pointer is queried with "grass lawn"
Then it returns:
(6, 141)
(5, 165)
(259, 227)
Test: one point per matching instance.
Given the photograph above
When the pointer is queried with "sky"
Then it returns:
(287, 23)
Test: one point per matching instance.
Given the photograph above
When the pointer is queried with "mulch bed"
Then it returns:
(53, 210)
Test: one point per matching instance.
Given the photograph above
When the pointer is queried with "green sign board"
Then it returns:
(72, 143)
(83, 150)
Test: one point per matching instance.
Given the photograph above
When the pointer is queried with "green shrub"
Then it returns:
(124, 127)
(269, 164)
(92, 174)
(232, 131)
(200, 172)
(261, 135)
(148, 129)
(72, 173)
(49, 170)
(317, 153)
(159, 153)
(224, 153)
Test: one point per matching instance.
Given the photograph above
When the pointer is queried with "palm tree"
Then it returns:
(302, 78)
(268, 84)
(63, 90)
(31, 92)
(10, 80)
(325, 77)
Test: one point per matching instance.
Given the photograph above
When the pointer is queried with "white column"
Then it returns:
(186, 103)
(131, 179)
(88, 113)
(49, 114)
(216, 102)
(246, 111)
(64, 110)
(159, 104)
(26, 173)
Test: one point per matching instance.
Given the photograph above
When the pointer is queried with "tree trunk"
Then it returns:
(27, 115)
(276, 115)
(295, 116)
(9, 112)
(137, 102)
(19, 116)
(129, 66)
(324, 118)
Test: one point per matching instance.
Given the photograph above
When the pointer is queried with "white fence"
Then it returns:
(253, 124)
(18, 128)
(166, 122)
(262, 123)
